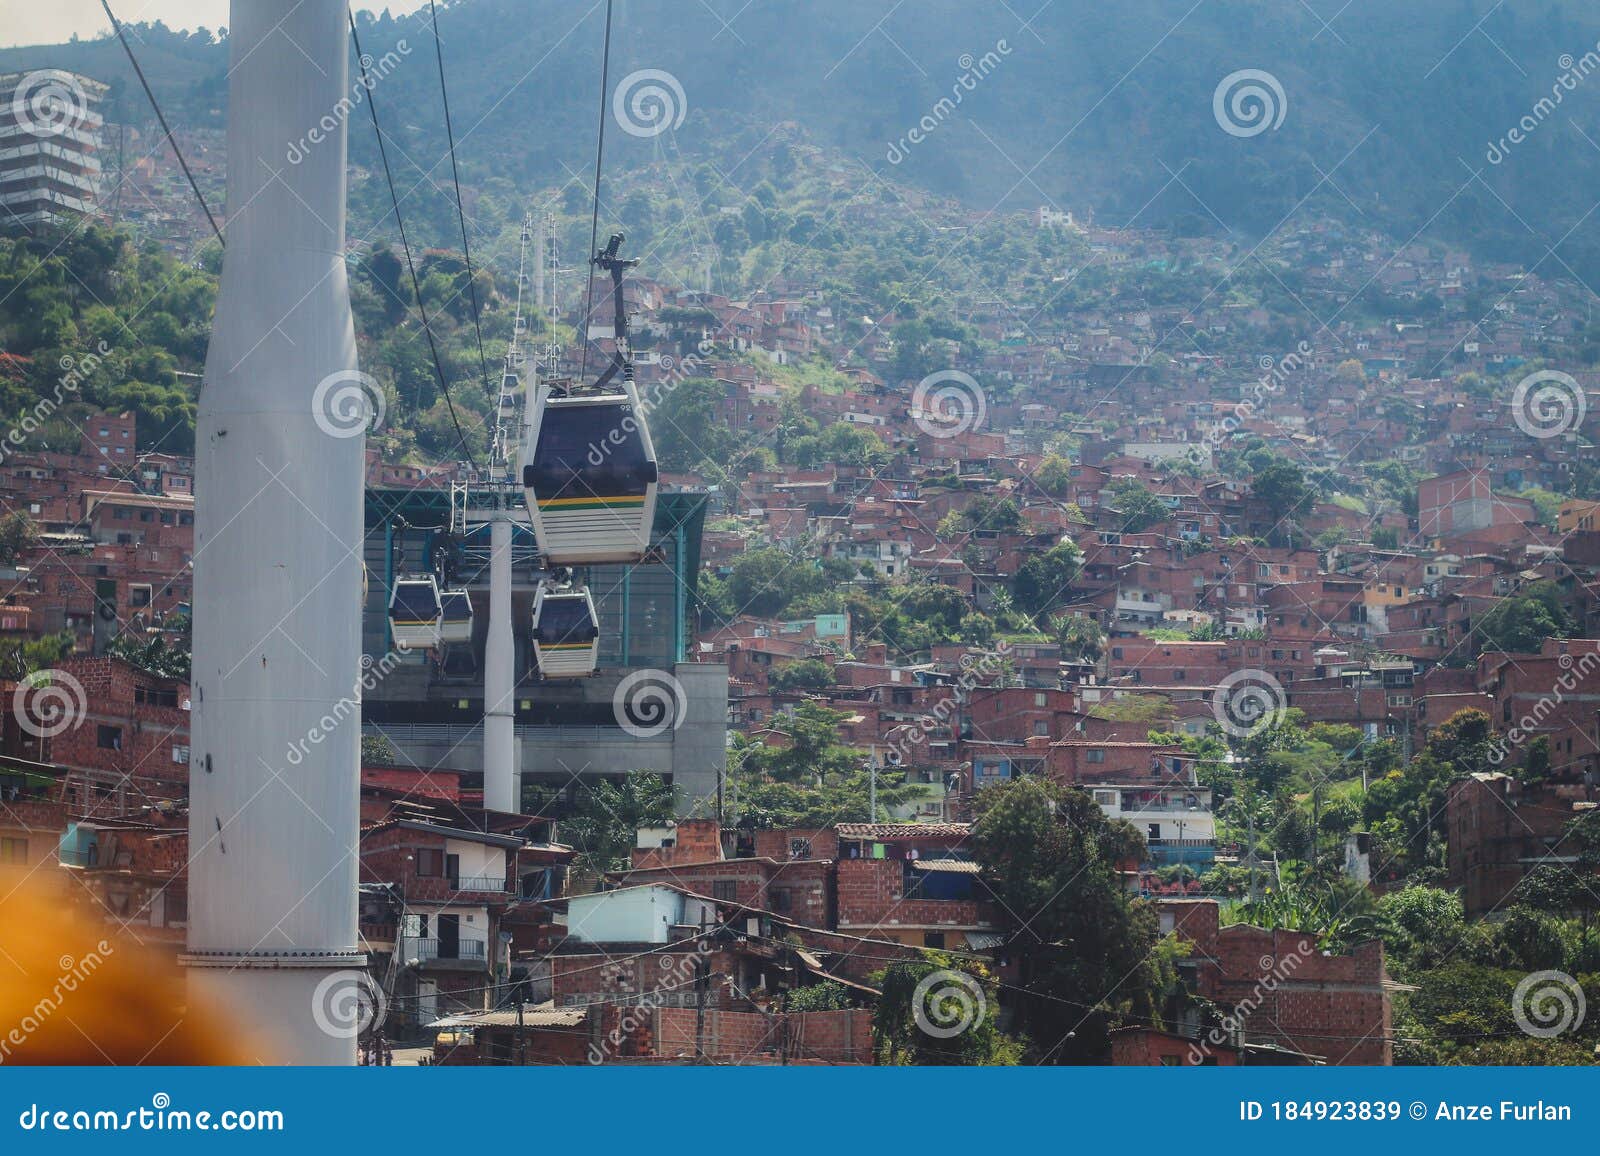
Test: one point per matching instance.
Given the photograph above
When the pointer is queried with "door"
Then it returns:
(427, 1001)
(449, 937)
(452, 871)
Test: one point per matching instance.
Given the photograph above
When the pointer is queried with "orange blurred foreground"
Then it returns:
(74, 990)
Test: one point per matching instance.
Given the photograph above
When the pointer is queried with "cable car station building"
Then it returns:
(429, 703)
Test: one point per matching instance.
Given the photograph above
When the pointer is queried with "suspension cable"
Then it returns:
(416, 286)
(599, 156)
(160, 116)
(455, 177)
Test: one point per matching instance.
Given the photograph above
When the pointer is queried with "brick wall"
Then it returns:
(665, 977)
(1141, 1047)
(871, 894)
(1495, 825)
(823, 843)
(694, 841)
(1284, 989)
(800, 890)
(830, 1036)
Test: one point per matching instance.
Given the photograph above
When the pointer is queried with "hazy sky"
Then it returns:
(53, 21)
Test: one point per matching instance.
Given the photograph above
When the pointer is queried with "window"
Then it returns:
(430, 862)
(933, 939)
(1155, 833)
(1105, 798)
(1116, 652)
(180, 755)
(799, 848)
(13, 850)
(1041, 729)
(1094, 755)
(779, 900)
(1177, 676)
(109, 738)
(725, 889)
(1040, 699)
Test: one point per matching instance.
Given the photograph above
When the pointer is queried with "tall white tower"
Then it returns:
(274, 775)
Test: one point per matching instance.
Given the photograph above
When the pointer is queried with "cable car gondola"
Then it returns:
(589, 466)
(455, 616)
(566, 633)
(414, 613)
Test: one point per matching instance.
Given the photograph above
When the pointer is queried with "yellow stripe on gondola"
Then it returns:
(565, 645)
(620, 503)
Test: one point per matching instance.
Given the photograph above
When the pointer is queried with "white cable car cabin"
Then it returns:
(589, 466)
(414, 613)
(455, 617)
(566, 633)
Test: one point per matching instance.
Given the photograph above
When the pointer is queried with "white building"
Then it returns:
(49, 141)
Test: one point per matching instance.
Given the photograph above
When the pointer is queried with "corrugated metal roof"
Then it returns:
(959, 866)
(544, 1015)
(894, 831)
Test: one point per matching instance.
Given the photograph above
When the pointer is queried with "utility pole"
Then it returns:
(1250, 852)
(702, 982)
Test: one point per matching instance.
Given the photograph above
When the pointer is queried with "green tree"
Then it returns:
(1520, 624)
(607, 814)
(803, 674)
(1042, 583)
(18, 534)
(1085, 952)
(925, 1001)
(1137, 507)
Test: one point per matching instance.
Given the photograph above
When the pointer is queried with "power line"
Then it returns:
(599, 156)
(155, 104)
(455, 177)
(405, 245)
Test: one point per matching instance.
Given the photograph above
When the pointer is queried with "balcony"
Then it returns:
(472, 952)
(495, 883)
(1130, 806)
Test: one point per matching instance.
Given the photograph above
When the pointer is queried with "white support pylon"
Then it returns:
(275, 770)
(499, 676)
